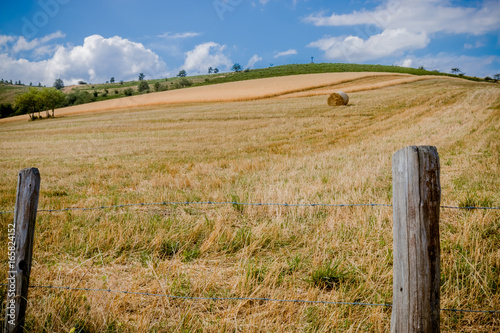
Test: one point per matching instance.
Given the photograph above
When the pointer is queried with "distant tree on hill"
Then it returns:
(182, 73)
(58, 84)
(112, 80)
(141, 76)
(210, 70)
(184, 83)
(30, 102)
(455, 70)
(128, 92)
(157, 86)
(216, 70)
(143, 86)
(51, 99)
(236, 67)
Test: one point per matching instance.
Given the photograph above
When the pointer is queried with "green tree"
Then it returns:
(210, 70)
(143, 86)
(216, 70)
(128, 92)
(29, 102)
(58, 84)
(157, 86)
(112, 80)
(141, 76)
(236, 67)
(51, 98)
(182, 73)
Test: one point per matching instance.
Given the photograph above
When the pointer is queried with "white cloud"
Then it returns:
(24, 45)
(420, 16)
(387, 43)
(96, 60)
(478, 66)
(406, 25)
(179, 35)
(406, 63)
(204, 56)
(4, 39)
(476, 45)
(285, 53)
(253, 60)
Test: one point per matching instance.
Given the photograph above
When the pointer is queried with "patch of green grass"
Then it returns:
(328, 275)
(168, 249)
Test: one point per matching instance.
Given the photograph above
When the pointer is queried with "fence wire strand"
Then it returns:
(165, 203)
(193, 298)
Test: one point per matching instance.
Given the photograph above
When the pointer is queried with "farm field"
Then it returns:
(284, 86)
(272, 142)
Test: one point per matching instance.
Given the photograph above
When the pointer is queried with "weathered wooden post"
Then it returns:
(21, 234)
(416, 204)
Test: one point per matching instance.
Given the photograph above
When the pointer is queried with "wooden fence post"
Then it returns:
(28, 188)
(416, 204)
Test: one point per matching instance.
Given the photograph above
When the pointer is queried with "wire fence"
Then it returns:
(193, 298)
(178, 203)
(260, 299)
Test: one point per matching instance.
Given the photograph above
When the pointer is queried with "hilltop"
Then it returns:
(92, 92)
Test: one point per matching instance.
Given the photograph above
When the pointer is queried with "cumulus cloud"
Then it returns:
(96, 60)
(405, 24)
(22, 44)
(4, 39)
(420, 16)
(206, 55)
(285, 53)
(253, 60)
(387, 43)
(480, 66)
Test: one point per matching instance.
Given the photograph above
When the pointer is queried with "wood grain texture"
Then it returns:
(28, 189)
(417, 195)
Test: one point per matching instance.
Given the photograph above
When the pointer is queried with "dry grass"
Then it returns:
(295, 150)
(287, 86)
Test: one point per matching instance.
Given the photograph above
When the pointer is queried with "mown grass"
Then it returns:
(288, 150)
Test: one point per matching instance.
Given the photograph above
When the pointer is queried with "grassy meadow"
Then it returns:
(289, 150)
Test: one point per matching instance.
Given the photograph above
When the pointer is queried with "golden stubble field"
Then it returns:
(282, 150)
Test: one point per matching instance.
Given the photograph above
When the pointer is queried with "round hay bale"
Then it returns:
(338, 98)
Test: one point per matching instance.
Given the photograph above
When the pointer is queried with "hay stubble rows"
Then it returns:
(295, 150)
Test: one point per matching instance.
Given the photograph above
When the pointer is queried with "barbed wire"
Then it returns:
(262, 299)
(166, 203)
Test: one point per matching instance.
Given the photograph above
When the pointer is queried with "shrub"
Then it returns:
(185, 82)
(128, 92)
(143, 86)
(6, 110)
(157, 86)
(79, 97)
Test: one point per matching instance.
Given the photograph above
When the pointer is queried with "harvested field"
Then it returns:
(293, 150)
(282, 87)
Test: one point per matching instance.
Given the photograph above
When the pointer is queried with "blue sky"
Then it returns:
(96, 40)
